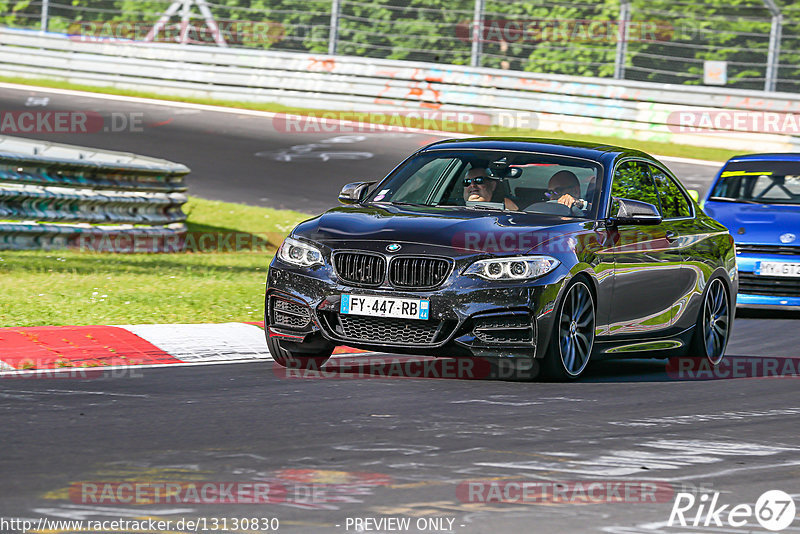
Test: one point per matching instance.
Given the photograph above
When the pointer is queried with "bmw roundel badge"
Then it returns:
(394, 247)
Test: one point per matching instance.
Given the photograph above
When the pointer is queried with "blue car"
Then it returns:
(758, 198)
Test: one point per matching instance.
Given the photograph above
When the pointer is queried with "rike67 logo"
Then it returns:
(774, 510)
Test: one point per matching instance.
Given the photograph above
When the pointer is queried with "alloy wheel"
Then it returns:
(716, 321)
(576, 329)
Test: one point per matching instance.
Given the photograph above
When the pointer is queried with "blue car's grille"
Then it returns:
(769, 249)
(775, 286)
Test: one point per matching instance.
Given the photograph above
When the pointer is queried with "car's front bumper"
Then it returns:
(758, 291)
(468, 315)
(764, 301)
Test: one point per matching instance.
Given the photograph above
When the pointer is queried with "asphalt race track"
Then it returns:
(340, 448)
(239, 157)
(400, 447)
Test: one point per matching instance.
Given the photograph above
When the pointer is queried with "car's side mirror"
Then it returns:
(354, 193)
(694, 194)
(634, 212)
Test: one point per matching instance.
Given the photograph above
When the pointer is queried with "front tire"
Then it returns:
(713, 326)
(572, 338)
(294, 359)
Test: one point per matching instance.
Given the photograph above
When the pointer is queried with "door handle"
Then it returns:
(671, 236)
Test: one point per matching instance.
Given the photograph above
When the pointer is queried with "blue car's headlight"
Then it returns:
(514, 268)
(299, 253)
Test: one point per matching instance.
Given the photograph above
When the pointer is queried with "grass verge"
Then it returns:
(84, 288)
(653, 147)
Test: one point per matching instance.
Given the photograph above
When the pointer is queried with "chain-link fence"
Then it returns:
(666, 41)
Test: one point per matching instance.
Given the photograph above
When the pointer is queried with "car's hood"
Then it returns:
(437, 226)
(758, 223)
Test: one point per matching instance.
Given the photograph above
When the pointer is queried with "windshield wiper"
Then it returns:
(403, 203)
(487, 208)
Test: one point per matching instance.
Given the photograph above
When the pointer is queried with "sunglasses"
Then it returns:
(478, 180)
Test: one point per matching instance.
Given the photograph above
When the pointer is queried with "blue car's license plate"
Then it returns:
(777, 268)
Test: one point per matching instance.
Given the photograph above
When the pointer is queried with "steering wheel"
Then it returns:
(551, 207)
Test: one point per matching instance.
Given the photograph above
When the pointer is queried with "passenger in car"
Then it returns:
(480, 187)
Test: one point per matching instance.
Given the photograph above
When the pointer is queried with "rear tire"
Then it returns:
(294, 359)
(572, 338)
(713, 327)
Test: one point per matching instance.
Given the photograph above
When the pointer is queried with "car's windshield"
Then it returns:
(763, 182)
(496, 180)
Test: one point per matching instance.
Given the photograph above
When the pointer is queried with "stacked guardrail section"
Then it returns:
(59, 196)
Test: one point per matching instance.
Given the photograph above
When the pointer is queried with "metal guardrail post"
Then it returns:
(333, 40)
(622, 39)
(45, 14)
(477, 35)
(774, 52)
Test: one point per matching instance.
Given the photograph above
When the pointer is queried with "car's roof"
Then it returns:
(775, 156)
(560, 147)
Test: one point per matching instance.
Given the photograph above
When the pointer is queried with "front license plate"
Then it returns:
(385, 306)
(777, 268)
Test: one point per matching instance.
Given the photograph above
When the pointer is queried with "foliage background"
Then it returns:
(690, 32)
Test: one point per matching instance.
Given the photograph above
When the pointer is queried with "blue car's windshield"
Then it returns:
(495, 180)
(761, 182)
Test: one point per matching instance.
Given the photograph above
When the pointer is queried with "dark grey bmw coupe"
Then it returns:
(541, 253)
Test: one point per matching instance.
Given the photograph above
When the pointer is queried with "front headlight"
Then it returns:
(515, 268)
(299, 253)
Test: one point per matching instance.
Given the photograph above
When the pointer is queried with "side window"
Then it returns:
(673, 202)
(632, 180)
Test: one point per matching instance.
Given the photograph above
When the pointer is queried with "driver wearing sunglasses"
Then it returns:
(565, 189)
(480, 187)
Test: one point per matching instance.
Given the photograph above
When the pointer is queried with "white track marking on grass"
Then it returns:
(200, 343)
